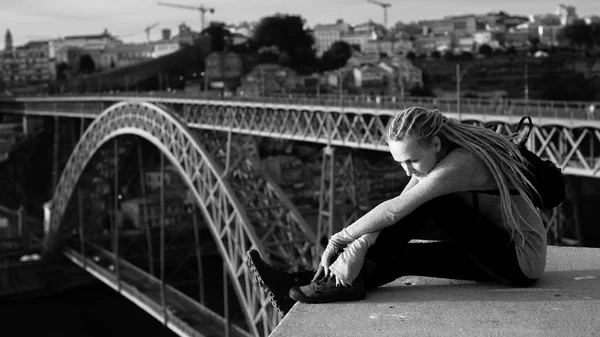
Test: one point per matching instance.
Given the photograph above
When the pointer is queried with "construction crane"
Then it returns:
(148, 29)
(383, 5)
(201, 9)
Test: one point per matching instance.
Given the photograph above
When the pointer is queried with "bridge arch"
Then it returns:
(225, 215)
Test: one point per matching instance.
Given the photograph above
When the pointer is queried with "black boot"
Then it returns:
(275, 282)
(325, 290)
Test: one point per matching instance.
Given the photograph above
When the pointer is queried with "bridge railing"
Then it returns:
(504, 107)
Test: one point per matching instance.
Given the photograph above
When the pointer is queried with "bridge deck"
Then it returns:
(566, 302)
(184, 316)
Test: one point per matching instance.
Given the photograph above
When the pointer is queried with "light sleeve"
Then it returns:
(458, 171)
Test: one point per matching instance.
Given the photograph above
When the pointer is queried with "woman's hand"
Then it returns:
(330, 254)
(335, 246)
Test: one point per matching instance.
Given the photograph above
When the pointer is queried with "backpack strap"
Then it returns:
(520, 125)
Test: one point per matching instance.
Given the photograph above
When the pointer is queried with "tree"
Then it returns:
(534, 40)
(512, 50)
(284, 59)
(220, 37)
(289, 34)
(61, 71)
(486, 50)
(466, 56)
(449, 56)
(411, 55)
(595, 34)
(336, 56)
(577, 34)
(436, 55)
(86, 64)
(411, 28)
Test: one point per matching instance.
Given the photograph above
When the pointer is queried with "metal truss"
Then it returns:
(572, 143)
(227, 219)
(288, 239)
(559, 137)
(339, 196)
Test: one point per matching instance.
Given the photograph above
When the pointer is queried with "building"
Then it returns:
(409, 75)
(131, 53)
(287, 171)
(518, 38)
(465, 24)
(357, 39)
(243, 28)
(224, 71)
(9, 134)
(265, 79)
(484, 37)
(567, 14)
(31, 64)
(326, 34)
(162, 48)
(465, 43)
(186, 36)
(369, 76)
(8, 41)
(358, 59)
(388, 47)
(460, 25)
(548, 34)
(430, 43)
(178, 199)
(86, 42)
(133, 211)
(239, 39)
(591, 19)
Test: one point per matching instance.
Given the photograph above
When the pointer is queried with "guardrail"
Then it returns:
(535, 108)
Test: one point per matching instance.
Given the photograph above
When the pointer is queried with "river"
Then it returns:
(91, 311)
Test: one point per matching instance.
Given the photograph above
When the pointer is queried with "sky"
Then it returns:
(43, 19)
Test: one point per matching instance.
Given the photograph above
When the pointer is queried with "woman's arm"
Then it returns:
(458, 171)
(411, 183)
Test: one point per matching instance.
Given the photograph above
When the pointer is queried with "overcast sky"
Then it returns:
(45, 19)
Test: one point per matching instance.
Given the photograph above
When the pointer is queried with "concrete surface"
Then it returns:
(565, 302)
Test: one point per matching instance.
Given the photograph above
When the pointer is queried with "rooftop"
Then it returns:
(565, 302)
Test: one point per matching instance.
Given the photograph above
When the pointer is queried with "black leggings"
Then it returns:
(476, 250)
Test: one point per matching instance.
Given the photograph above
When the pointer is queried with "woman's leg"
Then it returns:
(477, 250)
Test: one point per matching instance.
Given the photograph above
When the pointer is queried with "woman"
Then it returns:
(468, 181)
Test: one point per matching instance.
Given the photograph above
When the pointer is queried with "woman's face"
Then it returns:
(416, 159)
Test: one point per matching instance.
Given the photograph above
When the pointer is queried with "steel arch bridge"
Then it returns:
(228, 220)
(573, 143)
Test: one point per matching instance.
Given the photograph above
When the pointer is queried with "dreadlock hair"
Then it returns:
(498, 152)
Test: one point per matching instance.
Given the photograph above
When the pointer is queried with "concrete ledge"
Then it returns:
(565, 302)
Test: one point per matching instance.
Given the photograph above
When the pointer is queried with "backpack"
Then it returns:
(543, 174)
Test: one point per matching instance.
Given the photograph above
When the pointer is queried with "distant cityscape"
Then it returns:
(381, 59)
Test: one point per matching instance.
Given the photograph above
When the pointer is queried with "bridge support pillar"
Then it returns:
(55, 148)
(163, 294)
(29, 125)
(194, 211)
(338, 203)
(116, 222)
(147, 226)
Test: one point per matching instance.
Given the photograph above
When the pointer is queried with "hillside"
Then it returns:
(145, 75)
(546, 78)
